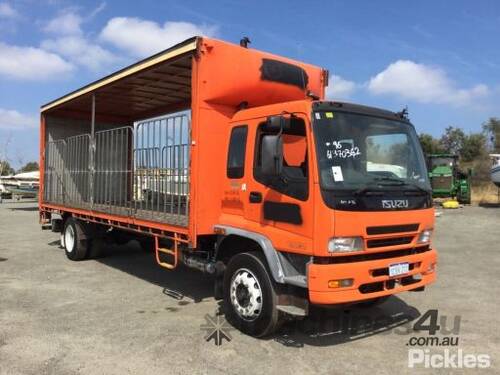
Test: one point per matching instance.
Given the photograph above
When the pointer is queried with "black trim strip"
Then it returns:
(284, 212)
(371, 256)
(386, 229)
(392, 241)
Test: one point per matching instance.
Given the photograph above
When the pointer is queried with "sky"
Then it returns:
(439, 58)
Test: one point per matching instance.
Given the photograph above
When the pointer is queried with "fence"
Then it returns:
(140, 171)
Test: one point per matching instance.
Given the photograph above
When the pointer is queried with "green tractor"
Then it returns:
(447, 180)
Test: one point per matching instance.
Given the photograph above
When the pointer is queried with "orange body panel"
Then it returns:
(362, 273)
(225, 75)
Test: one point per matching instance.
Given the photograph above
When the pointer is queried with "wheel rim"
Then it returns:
(246, 294)
(69, 238)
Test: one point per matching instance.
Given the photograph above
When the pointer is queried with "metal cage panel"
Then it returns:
(161, 166)
(112, 170)
(77, 174)
(140, 171)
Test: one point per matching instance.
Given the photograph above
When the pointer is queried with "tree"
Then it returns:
(31, 166)
(452, 140)
(491, 129)
(473, 147)
(5, 168)
(430, 145)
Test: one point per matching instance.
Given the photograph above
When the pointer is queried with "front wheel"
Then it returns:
(250, 297)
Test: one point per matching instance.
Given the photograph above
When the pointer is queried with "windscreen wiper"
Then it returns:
(399, 182)
(369, 190)
(376, 189)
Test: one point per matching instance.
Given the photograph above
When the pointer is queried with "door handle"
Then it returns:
(255, 197)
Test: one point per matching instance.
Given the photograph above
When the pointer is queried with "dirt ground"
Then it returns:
(115, 315)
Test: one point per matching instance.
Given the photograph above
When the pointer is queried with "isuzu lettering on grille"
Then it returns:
(395, 203)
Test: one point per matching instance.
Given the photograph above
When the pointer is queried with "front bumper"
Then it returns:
(370, 278)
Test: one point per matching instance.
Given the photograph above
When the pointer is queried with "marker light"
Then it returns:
(343, 283)
(345, 244)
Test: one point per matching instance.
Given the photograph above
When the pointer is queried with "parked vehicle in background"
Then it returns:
(21, 185)
(4, 193)
(230, 161)
(495, 169)
(447, 179)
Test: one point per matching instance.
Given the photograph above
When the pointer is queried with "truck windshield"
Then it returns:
(357, 152)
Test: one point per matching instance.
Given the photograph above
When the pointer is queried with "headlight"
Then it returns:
(345, 244)
(424, 236)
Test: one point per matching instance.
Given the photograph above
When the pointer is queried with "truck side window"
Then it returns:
(293, 181)
(236, 152)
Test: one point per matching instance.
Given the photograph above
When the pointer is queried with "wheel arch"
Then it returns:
(238, 240)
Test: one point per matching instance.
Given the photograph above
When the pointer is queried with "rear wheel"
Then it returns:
(250, 297)
(61, 240)
(75, 240)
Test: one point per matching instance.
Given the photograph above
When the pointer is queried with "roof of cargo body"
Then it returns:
(162, 79)
(231, 76)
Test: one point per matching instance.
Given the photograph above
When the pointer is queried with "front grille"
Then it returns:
(393, 241)
(441, 182)
(370, 256)
(387, 229)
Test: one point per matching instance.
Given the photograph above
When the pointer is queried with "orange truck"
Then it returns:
(229, 160)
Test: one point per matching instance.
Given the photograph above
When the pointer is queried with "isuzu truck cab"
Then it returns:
(230, 161)
(341, 190)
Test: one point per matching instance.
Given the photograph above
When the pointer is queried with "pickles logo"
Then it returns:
(447, 359)
(395, 203)
(440, 348)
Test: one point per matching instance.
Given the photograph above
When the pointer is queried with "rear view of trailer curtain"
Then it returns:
(137, 171)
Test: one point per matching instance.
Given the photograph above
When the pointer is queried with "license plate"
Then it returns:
(398, 269)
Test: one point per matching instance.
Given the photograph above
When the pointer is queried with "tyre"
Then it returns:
(61, 240)
(464, 198)
(249, 294)
(75, 240)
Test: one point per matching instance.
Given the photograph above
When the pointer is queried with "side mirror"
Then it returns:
(275, 124)
(272, 155)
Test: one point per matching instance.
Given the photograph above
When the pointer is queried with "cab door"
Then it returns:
(281, 208)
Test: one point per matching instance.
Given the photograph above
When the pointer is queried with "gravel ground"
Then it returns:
(114, 315)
